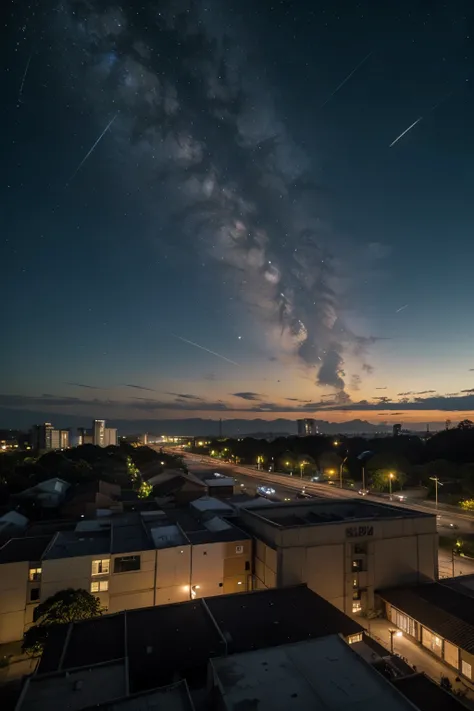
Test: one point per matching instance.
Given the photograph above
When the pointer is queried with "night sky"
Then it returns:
(243, 240)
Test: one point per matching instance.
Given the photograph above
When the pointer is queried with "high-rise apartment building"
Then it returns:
(110, 437)
(46, 437)
(98, 431)
(307, 428)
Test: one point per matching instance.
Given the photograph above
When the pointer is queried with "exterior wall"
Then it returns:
(13, 592)
(218, 568)
(173, 575)
(135, 588)
(345, 563)
(62, 573)
(265, 566)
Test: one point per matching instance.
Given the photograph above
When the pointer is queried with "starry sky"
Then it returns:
(205, 210)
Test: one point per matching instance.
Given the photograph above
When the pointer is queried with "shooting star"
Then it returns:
(406, 131)
(345, 80)
(20, 93)
(402, 308)
(91, 149)
(196, 345)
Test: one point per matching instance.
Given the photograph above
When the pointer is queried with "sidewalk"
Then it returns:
(416, 655)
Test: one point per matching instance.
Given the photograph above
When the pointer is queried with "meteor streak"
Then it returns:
(406, 131)
(402, 308)
(345, 80)
(20, 93)
(196, 345)
(91, 149)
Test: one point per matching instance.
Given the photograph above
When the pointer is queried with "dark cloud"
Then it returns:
(205, 142)
(470, 390)
(185, 396)
(385, 388)
(369, 369)
(426, 392)
(410, 392)
(139, 387)
(248, 396)
(83, 385)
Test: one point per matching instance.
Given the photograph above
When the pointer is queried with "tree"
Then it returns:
(381, 479)
(145, 490)
(65, 606)
(466, 425)
(467, 504)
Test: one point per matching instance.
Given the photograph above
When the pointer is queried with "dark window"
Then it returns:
(127, 563)
(357, 565)
(356, 595)
(34, 594)
(221, 585)
(247, 565)
(360, 548)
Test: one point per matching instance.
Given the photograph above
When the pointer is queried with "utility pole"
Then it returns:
(437, 483)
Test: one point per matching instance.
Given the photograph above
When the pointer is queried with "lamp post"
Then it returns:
(393, 633)
(437, 483)
(390, 479)
(341, 470)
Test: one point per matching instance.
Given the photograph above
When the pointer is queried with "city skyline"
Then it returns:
(201, 225)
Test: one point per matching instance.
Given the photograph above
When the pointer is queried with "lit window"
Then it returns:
(356, 606)
(355, 638)
(101, 567)
(34, 575)
(466, 669)
(354, 583)
(99, 586)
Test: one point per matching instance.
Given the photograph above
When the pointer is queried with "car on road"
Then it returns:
(265, 491)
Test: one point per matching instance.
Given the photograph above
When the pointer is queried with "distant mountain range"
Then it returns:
(23, 419)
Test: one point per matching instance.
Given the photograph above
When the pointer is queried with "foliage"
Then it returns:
(466, 425)
(63, 607)
(381, 479)
(145, 490)
(467, 505)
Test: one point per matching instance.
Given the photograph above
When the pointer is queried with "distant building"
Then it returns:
(98, 431)
(110, 437)
(396, 430)
(307, 428)
(143, 439)
(85, 436)
(46, 437)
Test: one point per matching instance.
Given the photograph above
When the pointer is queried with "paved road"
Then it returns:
(448, 519)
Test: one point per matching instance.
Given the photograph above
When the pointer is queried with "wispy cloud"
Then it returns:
(369, 369)
(185, 396)
(139, 387)
(83, 385)
(248, 396)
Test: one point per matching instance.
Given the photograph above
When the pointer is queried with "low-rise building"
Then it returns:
(437, 616)
(342, 549)
(48, 494)
(128, 561)
(87, 499)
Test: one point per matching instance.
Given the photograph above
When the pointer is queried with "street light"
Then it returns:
(340, 471)
(391, 476)
(437, 483)
(394, 633)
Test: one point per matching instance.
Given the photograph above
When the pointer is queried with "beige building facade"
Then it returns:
(343, 550)
(125, 566)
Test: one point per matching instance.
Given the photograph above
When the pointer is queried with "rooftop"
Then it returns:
(265, 618)
(324, 511)
(208, 503)
(426, 695)
(165, 639)
(17, 550)
(167, 698)
(69, 544)
(324, 674)
(444, 610)
(74, 690)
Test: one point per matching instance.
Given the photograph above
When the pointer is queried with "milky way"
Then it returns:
(197, 122)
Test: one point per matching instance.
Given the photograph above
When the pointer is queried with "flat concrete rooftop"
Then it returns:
(324, 511)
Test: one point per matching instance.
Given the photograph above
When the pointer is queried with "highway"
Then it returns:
(449, 520)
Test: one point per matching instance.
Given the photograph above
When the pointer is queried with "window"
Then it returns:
(360, 548)
(355, 638)
(127, 563)
(466, 669)
(356, 595)
(34, 594)
(101, 567)
(34, 575)
(357, 565)
(99, 586)
(354, 583)
(356, 606)
(247, 565)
